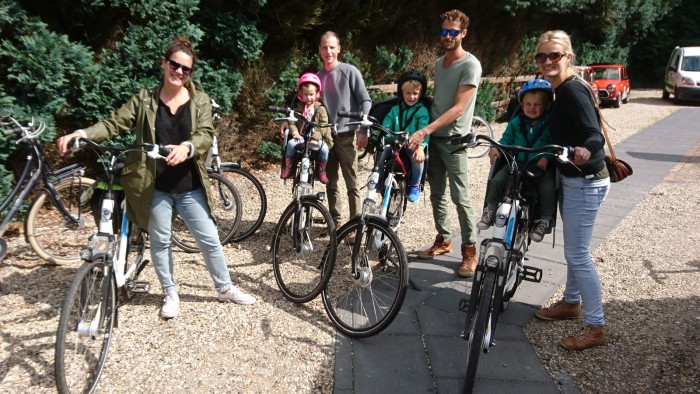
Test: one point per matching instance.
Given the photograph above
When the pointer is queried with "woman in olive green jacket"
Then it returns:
(176, 114)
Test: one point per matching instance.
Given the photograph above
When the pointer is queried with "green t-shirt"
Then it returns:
(464, 71)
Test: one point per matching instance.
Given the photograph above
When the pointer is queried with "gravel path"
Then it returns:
(275, 345)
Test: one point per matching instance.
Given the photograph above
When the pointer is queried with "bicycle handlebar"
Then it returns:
(32, 131)
(369, 122)
(293, 116)
(562, 153)
(155, 151)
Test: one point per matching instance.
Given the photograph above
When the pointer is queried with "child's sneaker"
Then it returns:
(321, 173)
(414, 193)
(487, 219)
(541, 228)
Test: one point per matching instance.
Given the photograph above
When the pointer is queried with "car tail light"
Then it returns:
(687, 81)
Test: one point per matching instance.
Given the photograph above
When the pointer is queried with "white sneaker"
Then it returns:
(171, 305)
(233, 294)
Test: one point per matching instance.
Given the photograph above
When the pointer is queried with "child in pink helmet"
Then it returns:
(309, 91)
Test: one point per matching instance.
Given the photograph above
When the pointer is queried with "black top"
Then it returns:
(573, 121)
(174, 129)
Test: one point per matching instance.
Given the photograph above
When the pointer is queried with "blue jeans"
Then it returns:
(193, 208)
(579, 207)
(292, 143)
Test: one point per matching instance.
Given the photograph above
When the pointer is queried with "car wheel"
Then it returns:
(627, 98)
(616, 103)
(665, 94)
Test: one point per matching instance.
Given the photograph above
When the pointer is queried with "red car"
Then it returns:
(613, 83)
(587, 74)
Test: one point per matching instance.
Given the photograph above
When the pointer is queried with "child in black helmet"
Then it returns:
(528, 129)
(411, 115)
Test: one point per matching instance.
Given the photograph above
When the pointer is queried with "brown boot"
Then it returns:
(589, 337)
(441, 246)
(559, 311)
(468, 266)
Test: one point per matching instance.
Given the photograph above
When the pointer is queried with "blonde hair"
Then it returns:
(559, 37)
(411, 83)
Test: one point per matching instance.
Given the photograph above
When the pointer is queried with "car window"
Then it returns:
(691, 63)
(607, 73)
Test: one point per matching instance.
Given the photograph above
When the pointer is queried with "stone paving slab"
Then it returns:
(422, 350)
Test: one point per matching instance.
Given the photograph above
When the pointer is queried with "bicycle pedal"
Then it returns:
(532, 274)
(463, 305)
(140, 286)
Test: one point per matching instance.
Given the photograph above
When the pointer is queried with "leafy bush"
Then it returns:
(486, 95)
(393, 63)
(269, 151)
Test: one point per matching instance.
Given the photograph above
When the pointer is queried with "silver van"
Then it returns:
(682, 78)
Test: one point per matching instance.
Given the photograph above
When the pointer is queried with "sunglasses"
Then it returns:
(186, 71)
(451, 32)
(554, 57)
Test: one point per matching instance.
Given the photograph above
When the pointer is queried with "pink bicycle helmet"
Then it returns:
(308, 78)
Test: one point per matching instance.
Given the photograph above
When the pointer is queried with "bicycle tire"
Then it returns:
(397, 204)
(254, 205)
(480, 126)
(49, 233)
(302, 274)
(80, 357)
(226, 211)
(135, 256)
(479, 326)
(365, 306)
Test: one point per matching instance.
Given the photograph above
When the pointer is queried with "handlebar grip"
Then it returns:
(273, 108)
(163, 150)
(14, 130)
(351, 115)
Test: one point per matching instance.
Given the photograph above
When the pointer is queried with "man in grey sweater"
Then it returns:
(343, 89)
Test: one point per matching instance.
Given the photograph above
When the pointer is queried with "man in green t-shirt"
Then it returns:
(457, 76)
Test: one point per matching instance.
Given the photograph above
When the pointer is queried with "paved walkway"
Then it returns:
(422, 351)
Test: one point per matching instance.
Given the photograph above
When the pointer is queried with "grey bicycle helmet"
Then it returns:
(536, 84)
(413, 74)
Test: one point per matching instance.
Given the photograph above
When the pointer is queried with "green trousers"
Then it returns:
(444, 166)
(545, 191)
(342, 157)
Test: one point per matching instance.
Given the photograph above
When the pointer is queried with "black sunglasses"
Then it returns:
(186, 71)
(554, 57)
(451, 32)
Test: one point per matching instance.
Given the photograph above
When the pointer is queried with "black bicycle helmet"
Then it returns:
(536, 84)
(413, 74)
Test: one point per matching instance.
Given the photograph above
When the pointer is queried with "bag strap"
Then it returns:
(603, 122)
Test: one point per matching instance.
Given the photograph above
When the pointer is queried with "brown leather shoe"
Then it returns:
(441, 246)
(589, 337)
(468, 266)
(559, 311)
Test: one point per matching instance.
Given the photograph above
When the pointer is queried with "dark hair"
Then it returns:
(456, 15)
(184, 45)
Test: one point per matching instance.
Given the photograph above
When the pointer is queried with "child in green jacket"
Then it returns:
(528, 129)
(411, 115)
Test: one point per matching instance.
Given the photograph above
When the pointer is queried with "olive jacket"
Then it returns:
(138, 174)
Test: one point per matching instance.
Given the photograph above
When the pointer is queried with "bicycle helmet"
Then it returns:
(413, 74)
(308, 78)
(536, 84)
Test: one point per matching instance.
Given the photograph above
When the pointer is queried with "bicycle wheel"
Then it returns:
(397, 204)
(85, 328)
(364, 302)
(53, 237)
(480, 126)
(479, 327)
(303, 259)
(135, 257)
(253, 199)
(226, 211)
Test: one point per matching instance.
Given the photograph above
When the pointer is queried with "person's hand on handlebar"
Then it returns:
(178, 154)
(63, 143)
(581, 155)
(493, 152)
(417, 139)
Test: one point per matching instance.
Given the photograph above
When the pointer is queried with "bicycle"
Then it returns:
(55, 225)
(113, 260)
(251, 217)
(500, 268)
(303, 244)
(370, 276)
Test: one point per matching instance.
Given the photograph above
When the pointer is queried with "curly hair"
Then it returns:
(455, 15)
